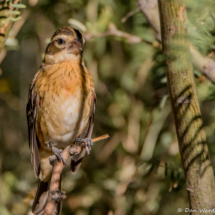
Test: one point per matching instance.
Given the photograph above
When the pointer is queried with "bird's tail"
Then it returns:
(40, 200)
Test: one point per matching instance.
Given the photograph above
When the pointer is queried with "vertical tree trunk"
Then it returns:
(185, 107)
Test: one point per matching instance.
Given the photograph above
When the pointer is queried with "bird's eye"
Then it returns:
(60, 41)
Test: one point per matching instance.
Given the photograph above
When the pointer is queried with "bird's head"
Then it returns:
(66, 44)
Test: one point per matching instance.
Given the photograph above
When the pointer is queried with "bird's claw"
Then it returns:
(87, 143)
(57, 152)
(57, 195)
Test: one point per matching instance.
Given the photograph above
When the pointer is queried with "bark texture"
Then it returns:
(185, 106)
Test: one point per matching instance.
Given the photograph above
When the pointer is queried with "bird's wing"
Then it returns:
(31, 111)
(87, 133)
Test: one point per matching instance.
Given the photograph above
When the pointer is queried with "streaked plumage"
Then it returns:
(61, 106)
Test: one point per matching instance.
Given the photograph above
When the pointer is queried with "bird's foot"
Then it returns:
(57, 153)
(57, 195)
(87, 143)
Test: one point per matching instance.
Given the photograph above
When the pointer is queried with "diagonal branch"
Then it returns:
(113, 31)
(54, 192)
(150, 10)
(204, 64)
(131, 13)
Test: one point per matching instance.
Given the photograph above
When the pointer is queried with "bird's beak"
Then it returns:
(75, 47)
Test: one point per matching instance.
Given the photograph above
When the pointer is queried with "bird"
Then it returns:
(60, 109)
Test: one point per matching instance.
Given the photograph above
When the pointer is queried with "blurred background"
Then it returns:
(138, 170)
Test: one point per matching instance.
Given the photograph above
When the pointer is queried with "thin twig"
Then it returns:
(113, 31)
(131, 13)
(56, 174)
(150, 10)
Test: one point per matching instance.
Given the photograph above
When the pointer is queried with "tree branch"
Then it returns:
(150, 9)
(55, 194)
(204, 64)
(131, 13)
(113, 31)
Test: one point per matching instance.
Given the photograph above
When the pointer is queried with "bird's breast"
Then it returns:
(65, 105)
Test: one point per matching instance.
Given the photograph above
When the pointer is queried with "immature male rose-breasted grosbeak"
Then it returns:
(60, 109)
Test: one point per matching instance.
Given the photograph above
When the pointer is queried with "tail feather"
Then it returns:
(76, 161)
(41, 198)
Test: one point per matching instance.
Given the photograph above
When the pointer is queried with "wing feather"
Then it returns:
(87, 133)
(31, 111)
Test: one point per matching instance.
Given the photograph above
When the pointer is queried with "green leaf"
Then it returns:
(18, 5)
(15, 19)
(197, 73)
(14, 12)
(6, 20)
(149, 168)
(164, 80)
(163, 101)
(78, 24)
